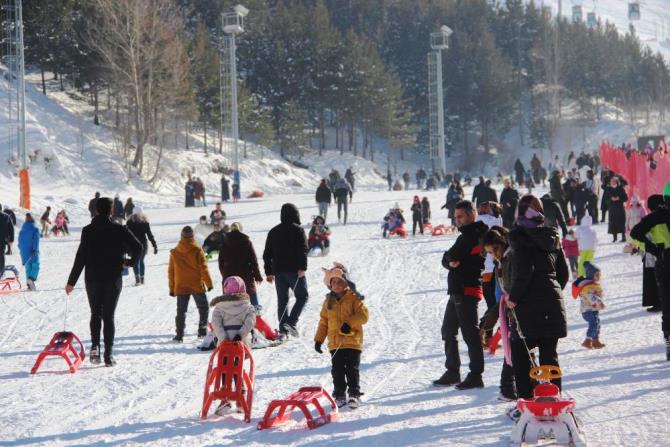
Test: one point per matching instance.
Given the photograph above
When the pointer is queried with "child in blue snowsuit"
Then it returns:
(29, 246)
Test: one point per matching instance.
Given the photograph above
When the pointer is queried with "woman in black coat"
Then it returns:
(237, 257)
(537, 273)
(138, 224)
(616, 198)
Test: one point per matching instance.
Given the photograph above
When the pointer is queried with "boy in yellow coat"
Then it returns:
(343, 315)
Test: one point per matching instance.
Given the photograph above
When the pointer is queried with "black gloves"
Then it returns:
(172, 294)
(210, 289)
(237, 338)
(317, 347)
(155, 250)
(345, 329)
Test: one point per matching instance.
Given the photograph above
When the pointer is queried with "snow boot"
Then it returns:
(507, 395)
(471, 381)
(354, 402)
(654, 309)
(340, 401)
(597, 344)
(142, 279)
(109, 358)
(31, 284)
(94, 355)
(137, 280)
(224, 408)
(449, 378)
(178, 339)
(588, 343)
(667, 348)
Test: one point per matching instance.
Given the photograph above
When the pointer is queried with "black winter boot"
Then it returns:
(470, 382)
(109, 358)
(449, 378)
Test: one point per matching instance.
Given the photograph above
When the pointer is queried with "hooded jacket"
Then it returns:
(466, 279)
(233, 315)
(29, 242)
(101, 250)
(538, 275)
(187, 272)
(586, 235)
(334, 313)
(139, 226)
(286, 244)
(237, 257)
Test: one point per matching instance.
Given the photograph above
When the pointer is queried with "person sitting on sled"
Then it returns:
(233, 318)
(341, 320)
(318, 235)
(394, 220)
(217, 216)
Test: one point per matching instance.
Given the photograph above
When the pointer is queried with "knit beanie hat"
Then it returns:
(236, 226)
(330, 274)
(590, 270)
(187, 232)
(137, 209)
(233, 285)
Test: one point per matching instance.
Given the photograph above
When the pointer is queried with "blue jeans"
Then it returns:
(253, 297)
(592, 317)
(283, 282)
(138, 268)
(323, 210)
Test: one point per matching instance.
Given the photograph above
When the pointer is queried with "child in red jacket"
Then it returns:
(571, 250)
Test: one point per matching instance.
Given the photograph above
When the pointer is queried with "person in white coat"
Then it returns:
(233, 316)
(587, 239)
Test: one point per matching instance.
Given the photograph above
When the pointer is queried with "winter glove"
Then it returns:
(155, 250)
(317, 347)
(345, 329)
(172, 294)
(237, 338)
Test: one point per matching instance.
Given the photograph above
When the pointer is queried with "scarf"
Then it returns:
(530, 219)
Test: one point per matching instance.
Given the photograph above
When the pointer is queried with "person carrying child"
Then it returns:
(343, 315)
(590, 293)
(571, 250)
(233, 318)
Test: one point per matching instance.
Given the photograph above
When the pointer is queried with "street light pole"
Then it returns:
(440, 113)
(438, 41)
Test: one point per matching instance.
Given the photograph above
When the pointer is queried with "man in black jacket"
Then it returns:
(323, 198)
(465, 263)
(477, 189)
(92, 204)
(101, 251)
(486, 194)
(6, 237)
(509, 199)
(285, 263)
(553, 214)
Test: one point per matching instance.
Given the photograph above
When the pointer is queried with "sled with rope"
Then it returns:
(65, 345)
(279, 411)
(547, 415)
(10, 283)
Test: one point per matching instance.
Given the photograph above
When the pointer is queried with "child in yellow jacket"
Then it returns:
(590, 293)
(343, 315)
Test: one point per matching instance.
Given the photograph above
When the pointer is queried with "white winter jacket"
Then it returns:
(490, 221)
(233, 315)
(586, 235)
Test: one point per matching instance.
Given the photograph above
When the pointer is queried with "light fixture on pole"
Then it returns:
(438, 41)
(233, 24)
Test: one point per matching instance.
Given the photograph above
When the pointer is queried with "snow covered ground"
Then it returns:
(154, 394)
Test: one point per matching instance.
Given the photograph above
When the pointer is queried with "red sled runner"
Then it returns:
(10, 284)
(62, 345)
(301, 399)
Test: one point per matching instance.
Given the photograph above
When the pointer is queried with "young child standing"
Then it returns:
(343, 315)
(571, 250)
(591, 303)
(587, 240)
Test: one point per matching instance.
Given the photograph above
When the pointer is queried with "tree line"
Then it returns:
(353, 73)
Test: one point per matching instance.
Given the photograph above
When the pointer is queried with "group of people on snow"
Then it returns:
(339, 188)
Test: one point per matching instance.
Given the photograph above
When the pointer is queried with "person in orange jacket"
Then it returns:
(343, 315)
(188, 275)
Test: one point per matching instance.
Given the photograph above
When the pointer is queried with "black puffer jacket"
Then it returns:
(102, 249)
(323, 194)
(538, 275)
(466, 279)
(237, 257)
(286, 245)
(141, 230)
(553, 214)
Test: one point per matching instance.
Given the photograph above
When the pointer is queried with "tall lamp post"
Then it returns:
(233, 24)
(438, 41)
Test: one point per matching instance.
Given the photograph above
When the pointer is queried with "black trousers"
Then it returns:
(182, 307)
(417, 221)
(345, 371)
(2, 257)
(507, 382)
(548, 356)
(662, 272)
(102, 298)
(461, 313)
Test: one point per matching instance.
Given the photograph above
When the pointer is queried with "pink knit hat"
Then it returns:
(234, 284)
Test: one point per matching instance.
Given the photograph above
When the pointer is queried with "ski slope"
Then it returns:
(154, 395)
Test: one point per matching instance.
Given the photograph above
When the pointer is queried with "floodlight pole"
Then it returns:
(23, 156)
(234, 118)
(440, 112)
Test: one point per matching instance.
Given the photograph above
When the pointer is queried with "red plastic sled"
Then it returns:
(428, 227)
(255, 195)
(300, 399)
(493, 343)
(265, 329)
(62, 345)
(11, 284)
(440, 230)
(230, 376)
(400, 231)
